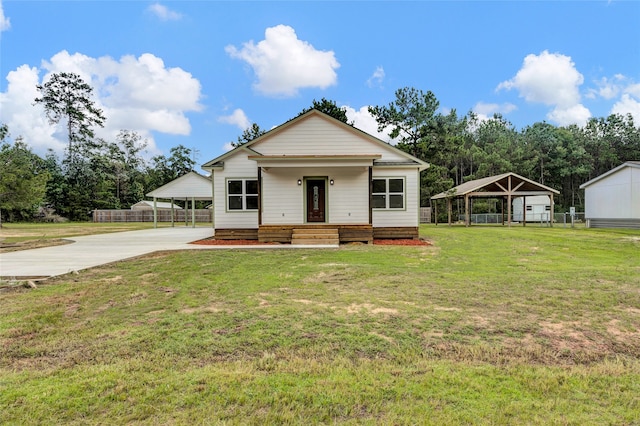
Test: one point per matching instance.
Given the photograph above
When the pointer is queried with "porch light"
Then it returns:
(331, 182)
(299, 182)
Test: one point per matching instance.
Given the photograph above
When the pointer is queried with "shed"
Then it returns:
(612, 200)
(160, 205)
(312, 179)
(506, 186)
(532, 209)
(189, 187)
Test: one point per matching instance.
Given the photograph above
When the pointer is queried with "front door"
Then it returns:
(316, 200)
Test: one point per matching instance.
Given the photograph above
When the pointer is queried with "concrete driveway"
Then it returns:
(93, 250)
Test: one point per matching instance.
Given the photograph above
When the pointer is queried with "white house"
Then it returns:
(612, 200)
(316, 174)
(536, 209)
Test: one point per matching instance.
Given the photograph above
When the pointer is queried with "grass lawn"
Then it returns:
(490, 325)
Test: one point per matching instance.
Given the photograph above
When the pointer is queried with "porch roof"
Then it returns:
(340, 160)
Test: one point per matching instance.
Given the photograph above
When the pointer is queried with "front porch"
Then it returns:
(347, 233)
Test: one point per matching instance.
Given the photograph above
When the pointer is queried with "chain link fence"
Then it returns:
(564, 219)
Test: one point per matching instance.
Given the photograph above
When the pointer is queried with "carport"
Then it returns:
(506, 187)
(190, 187)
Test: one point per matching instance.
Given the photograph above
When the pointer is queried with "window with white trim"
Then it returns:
(388, 193)
(242, 194)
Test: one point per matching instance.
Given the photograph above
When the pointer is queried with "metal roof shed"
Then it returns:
(191, 186)
(506, 186)
(612, 200)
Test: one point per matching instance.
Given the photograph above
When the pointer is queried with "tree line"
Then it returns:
(94, 173)
(464, 148)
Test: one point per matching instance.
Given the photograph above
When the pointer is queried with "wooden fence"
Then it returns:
(425, 214)
(110, 216)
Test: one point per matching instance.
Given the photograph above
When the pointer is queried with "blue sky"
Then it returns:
(197, 73)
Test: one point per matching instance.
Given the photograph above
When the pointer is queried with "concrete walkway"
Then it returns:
(94, 250)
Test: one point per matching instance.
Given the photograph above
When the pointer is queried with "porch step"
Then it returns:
(315, 236)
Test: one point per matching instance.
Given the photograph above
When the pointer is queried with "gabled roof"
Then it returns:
(189, 186)
(634, 164)
(496, 185)
(219, 161)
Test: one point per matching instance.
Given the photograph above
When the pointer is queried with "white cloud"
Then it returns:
(376, 78)
(5, 23)
(608, 88)
(23, 119)
(139, 94)
(237, 118)
(548, 78)
(551, 79)
(283, 64)
(164, 13)
(364, 121)
(576, 114)
(628, 105)
(485, 111)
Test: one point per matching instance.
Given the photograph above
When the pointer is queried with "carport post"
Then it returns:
(193, 212)
(155, 213)
(172, 212)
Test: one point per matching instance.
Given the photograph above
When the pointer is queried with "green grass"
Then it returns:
(490, 325)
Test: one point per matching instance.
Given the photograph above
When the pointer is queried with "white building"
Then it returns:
(536, 209)
(316, 173)
(612, 200)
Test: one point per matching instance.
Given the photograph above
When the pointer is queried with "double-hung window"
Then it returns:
(242, 194)
(388, 193)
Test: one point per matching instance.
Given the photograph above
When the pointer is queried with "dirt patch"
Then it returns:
(355, 308)
(403, 242)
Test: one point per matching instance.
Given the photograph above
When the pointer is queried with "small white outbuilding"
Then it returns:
(612, 200)
(535, 208)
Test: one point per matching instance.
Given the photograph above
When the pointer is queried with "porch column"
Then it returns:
(524, 211)
(449, 207)
(552, 210)
(213, 206)
(370, 195)
(259, 196)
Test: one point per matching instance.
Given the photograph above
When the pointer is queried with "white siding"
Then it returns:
(347, 200)
(317, 136)
(410, 216)
(538, 210)
(237, 166)
(616, 196)
(635, 193)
